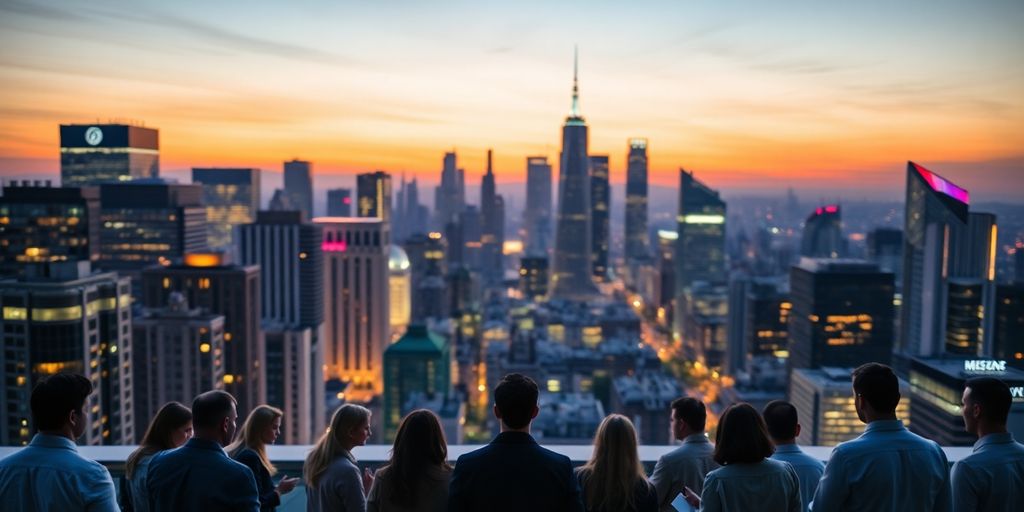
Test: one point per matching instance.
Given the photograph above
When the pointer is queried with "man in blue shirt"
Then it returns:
(49, 474)
(887, 468)
(687, 465)
(783, 425)
(200, 475)
(992, 477)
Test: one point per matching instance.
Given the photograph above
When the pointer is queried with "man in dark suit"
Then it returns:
(200, 475)
(513, 472)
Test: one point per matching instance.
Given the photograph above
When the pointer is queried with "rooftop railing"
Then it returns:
(289, 459)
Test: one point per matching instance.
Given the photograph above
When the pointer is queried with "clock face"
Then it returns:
(93, 135)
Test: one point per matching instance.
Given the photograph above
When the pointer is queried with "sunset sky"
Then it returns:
(753, 96)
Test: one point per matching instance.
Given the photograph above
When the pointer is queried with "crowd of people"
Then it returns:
(193, 459)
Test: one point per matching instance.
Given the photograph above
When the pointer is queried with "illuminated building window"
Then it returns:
(12, 313)
(56, 314)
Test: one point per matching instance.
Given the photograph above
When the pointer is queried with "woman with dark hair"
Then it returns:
(170, 428)
(416, 478)
(613, 479)
(261, 428)
(748, 478)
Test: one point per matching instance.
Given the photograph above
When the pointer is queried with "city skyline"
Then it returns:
(739, 96)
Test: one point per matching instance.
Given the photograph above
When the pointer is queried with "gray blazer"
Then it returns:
(685, 466)
(339, 489)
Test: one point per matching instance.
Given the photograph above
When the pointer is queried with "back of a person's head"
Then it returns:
(691, 411)
(993, 395)
(54, 398)
(209, 409)
(742, 437)
(610, 477)
(158, 436)
(419, 446)
(878, 385)
(516, 398)
(781, 419)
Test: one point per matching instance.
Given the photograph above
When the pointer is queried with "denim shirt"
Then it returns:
(50, 475)
(886, 469)
(991, 477)
(808, 469)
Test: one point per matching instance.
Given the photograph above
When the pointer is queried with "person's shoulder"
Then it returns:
(475, 455)
(247, 456)
(553, 456)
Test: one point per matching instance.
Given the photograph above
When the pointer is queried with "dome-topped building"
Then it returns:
(399, 290)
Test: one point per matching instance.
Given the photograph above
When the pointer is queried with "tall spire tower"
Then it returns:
(571, 268)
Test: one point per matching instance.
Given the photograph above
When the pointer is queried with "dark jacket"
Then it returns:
(514, 473)
(269, 499)
(200, 476)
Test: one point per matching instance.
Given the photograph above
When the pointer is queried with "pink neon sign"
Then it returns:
(334, 246)
(826, 209)
(942, 185)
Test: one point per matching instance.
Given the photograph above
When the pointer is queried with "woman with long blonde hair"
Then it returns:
(261, 428)
(417, 476)
(613, 479)
(333, 481)
(170, 428)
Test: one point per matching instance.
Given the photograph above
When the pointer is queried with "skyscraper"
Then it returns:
(373, 191)
(356, 325)
(74, 322)
(232, 198)
(700, 244)
(492, 228)
(700, 247)
(600, 204)
(210, 281)
(943, 242)
(105, 153)
(287, 249)
(40, 224)
(428, 266)
(1009, 324)
(450, 194)
(537, 215)
(823, 233)
(410, 217)
(177, 353)
(289, 255)
(571, 276)
(533, 277)
(842, 314)
(144, 223)
(339, 202)
(298, 184)
(295, 381)
(885, 247)
(637, 241)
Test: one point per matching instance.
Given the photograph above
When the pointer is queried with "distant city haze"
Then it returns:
(754, 97)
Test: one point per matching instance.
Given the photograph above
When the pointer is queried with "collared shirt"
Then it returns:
(685, 466)
(808, 469)
(339, 488)
(991, 477)
(50, 475)
(766, 485)
(886, 469)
